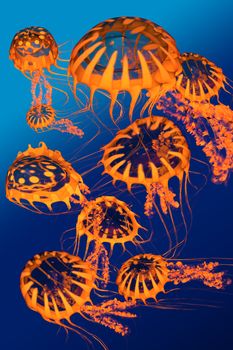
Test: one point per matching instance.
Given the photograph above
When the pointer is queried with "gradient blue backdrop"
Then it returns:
(205, 27)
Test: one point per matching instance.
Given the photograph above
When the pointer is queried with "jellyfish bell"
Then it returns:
(126, 54)
(144, 276)
(149, 152)
(40, 117)
(33, 49)
(200, 79)
(56, 285)
(40, 178)
(109, 221)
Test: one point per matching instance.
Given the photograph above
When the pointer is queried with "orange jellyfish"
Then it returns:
(200, 78)
(34, 50)
(40, 178)
(106, 221)
(58, 285)
(210, 124)
(43, 117)
(144, 276)
(149, 152)
(126, 54)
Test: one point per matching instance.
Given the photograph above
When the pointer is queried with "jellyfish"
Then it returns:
(150, 152)
(128, 54)
(200, 79)
(144, 276)
(58, 285)
(192, 103)
(40, 178)
(43, 117)
(106, 221)
(34, 50)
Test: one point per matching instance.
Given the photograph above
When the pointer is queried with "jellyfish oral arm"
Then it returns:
(99, 259)
(183, 273)
(103, 314)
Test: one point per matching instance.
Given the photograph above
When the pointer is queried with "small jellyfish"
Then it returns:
(126, 54)
(200, 79)
(58, 285)
(144, 276)
(43, 117)
(33, 51)
(40, 178)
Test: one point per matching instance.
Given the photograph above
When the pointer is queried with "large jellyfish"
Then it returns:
(106, 221)
(126, 54)
(39, 178)
(144, 276)
(33, 51)
(58, 285)
(149, 152)
(210, 124)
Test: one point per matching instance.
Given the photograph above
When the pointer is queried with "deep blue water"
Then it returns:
(202, 27)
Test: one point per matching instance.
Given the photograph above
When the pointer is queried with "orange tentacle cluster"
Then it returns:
(210, 125)
(219, 149)
(183, 273)
(99, 259)
(166, 198)
(103, 314)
